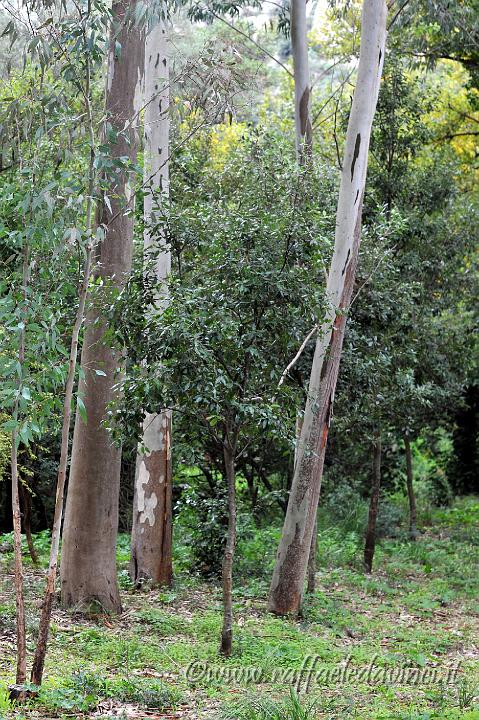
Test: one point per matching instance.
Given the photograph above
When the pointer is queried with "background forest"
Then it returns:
(239, 407)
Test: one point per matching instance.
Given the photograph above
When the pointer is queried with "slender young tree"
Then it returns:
(45, 618)
(21, 671)
(410, 489)
(88, 568)
(26, 504)
(229, 452)
(151, 539)
(370, 541)
(289, 575)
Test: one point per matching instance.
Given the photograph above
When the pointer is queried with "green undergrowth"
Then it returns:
(417, 613)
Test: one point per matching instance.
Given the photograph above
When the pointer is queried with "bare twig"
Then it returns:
(298, 355)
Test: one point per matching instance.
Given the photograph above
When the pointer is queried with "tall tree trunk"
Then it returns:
(151, 538)
(88, 568)
(410, 489)
(287, 584)
(227, 631)
(302, 88)
(370, 543)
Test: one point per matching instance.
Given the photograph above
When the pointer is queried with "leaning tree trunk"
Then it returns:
(370, 543)
(88, 568)
(287, 584)
(302, 89)
(410, 489)
(151, 538)
(227, 631)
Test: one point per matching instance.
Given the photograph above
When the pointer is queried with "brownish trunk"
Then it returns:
(311, 582)
(88, 569)
(227, 632)
(410, 490)
(370, 544)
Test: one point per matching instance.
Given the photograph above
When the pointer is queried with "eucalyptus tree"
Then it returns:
(151, 541)
(88, 567)
(406, 354)
(291, 564)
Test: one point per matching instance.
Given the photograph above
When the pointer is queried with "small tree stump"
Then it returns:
(21, 693)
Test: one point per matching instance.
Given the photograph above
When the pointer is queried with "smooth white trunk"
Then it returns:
(151, 533)
(291, 564)
(302, 89)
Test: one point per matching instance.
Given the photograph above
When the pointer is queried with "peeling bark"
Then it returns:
(88, 569)
(151, 547)
(370, 543)
(151, 538)
(289, 575)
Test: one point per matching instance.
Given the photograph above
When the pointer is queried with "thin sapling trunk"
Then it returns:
(410, 490)
(46, 614)
(21, 671)
(26, 501)
(370, 544)
(227, 632)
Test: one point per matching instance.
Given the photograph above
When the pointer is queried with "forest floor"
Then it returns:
(402, 643)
